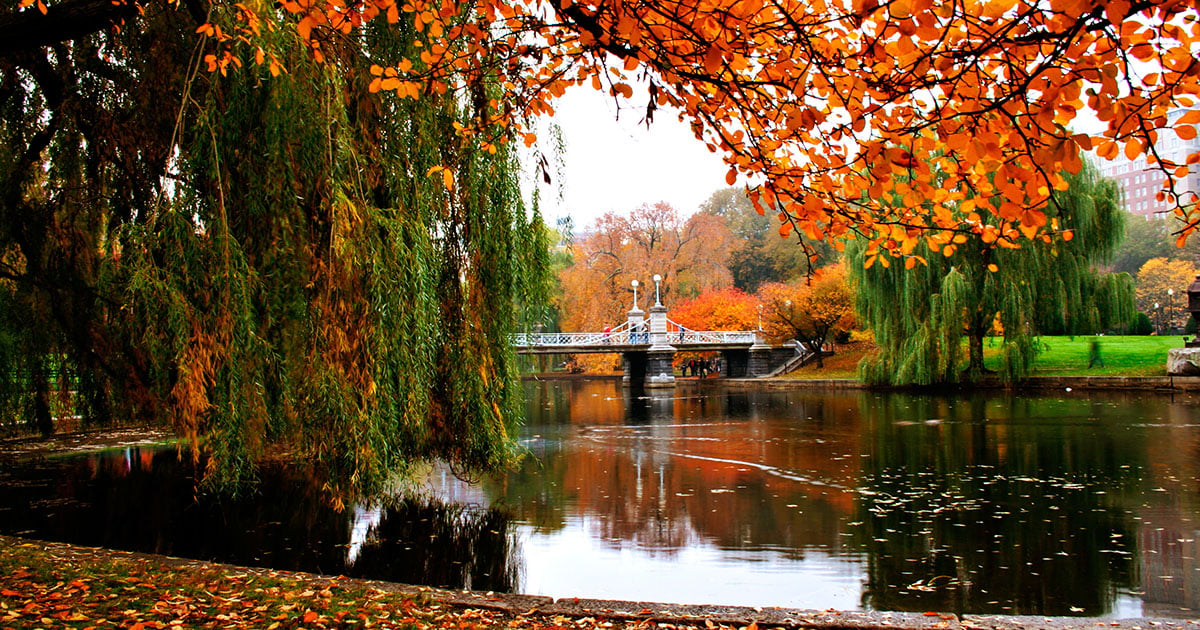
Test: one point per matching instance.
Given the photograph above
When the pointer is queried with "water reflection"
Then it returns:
(977, 515)
(142, 499)
(1026, 505)
(1079, 505)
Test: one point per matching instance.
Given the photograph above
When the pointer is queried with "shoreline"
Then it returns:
(1161, 384)
(515, 610)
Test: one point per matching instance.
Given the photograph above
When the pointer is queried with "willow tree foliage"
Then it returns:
(921, 309)
(262, 261)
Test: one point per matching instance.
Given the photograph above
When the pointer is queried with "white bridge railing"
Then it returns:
(622, 335)
(576, 339)
(679, 334)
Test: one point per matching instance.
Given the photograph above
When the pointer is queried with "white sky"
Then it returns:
(617, 165)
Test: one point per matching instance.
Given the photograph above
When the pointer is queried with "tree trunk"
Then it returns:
(816, 343)
(975, 353)
(41, 398)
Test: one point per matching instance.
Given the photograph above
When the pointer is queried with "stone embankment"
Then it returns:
(1165, 384)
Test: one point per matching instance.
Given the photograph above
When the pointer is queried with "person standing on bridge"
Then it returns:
(607, 333)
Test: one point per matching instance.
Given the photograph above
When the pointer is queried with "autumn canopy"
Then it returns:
(221, 211)
(833, 107)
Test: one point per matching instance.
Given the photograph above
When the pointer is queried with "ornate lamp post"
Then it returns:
(657, 279)
(1170, 320)
(1158, 319)
(634, 284)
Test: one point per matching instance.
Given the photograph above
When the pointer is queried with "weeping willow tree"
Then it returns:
(266, 263)
(921, 314)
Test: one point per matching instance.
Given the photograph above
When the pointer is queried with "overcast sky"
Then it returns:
(617, 165)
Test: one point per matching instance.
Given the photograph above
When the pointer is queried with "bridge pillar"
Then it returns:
(635, 368)
(660, 370)
(736, 363)
(759, 363)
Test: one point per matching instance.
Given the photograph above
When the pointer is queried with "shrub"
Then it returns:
(1141, 325)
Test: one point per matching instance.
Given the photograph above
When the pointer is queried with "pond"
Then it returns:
(1070, 504)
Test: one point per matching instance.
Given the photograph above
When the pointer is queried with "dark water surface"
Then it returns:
(1047, 505)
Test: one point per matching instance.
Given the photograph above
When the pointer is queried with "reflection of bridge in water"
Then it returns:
(648, 347)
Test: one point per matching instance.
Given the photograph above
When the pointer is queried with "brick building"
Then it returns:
(1141, 182)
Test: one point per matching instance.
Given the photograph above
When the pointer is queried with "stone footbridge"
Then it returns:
(648, 346)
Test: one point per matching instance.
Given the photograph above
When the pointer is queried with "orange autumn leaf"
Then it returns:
(870, 109)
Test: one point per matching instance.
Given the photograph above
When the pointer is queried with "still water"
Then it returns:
(1049, 505)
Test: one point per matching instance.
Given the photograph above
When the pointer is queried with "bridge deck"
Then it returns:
(568, 348)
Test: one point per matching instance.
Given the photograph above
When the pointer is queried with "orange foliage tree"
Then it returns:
(719, 309)
(960, 108)
(809, 311)
(963, 109)
(690, 255)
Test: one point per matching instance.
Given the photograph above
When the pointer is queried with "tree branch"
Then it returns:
(28, 30)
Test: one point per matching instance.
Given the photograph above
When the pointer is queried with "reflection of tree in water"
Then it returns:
(1023, 516)
(142, 500)
(670, 475)
(425, 541)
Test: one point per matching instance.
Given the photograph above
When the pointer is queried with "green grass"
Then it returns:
(1060, 356)
(1122, 355)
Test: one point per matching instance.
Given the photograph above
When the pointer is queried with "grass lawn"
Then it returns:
(1122, 355)
(843, 364)
(1060, 356)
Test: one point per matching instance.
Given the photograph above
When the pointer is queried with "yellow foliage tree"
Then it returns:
(1164, 283)
(809, 311)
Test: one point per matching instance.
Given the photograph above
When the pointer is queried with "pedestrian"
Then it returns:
(1094, 354)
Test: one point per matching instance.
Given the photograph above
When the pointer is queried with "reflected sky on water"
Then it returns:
(1049, 505)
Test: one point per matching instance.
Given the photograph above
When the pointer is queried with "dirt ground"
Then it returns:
(83, 441)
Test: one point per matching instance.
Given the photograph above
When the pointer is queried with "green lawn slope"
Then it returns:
(1123, 355)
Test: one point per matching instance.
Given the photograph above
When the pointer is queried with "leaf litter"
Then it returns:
(64, 586)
